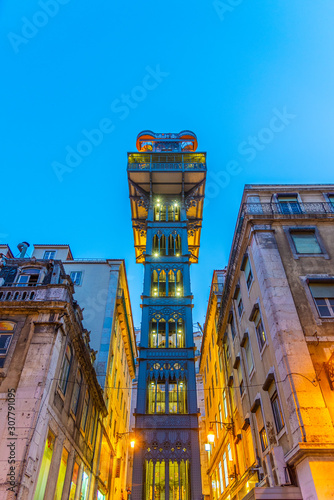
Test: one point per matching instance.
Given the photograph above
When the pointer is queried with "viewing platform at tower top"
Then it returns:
(166, 171)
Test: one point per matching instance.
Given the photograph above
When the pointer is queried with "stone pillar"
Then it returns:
(195, 467)
(54, 468)
(68, 476)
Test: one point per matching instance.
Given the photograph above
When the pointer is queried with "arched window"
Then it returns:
(177, 396)
(157, 334)
(160, 212)
(156, 396)
(166, 396)
(6, 335)
(175, 333)
(159, 245)
(65, 369)
(28, 277)
(175, 284)
(174, 245)
(155, 284)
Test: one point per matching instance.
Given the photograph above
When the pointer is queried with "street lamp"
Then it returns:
(119, 435)
(229, 426)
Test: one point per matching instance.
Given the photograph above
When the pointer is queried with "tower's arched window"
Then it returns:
(175, 283)
(155, 284)
(174, 212)
(177, 396)
(160, 212)
(158, 284)
(166, 396)
(156, 396)
(157, 333)
(174, 245)
(159, 245)
(176, 333)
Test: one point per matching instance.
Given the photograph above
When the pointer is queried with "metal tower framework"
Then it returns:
(166, 183)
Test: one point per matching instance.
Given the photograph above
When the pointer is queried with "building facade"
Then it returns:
(52, 407)
(231, 457)
(276, 337)
(101, 290)
(166, 181)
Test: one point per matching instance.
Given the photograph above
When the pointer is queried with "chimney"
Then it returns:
(23, 247)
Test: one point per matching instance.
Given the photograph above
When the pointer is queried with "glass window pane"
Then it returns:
(305, 242)
(45, 467)
(61, 475)
(74, 481)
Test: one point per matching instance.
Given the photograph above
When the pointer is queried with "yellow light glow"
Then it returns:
(156, 254)
(177, 255)
(211, 436)
(132, 443)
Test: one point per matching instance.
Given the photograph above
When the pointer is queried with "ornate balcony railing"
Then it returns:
(16, 292)
(288, 208)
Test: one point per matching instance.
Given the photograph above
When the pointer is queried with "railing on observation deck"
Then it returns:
(166, 161)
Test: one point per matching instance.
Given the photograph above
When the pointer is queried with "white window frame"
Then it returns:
(47, 252)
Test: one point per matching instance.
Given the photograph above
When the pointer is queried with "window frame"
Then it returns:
(54, 252)
(80, 280)
(319, 280)
(10, 334)
(296, 255)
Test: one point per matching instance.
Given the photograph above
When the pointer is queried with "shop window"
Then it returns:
(61, 475)
(323, 296)
(45, 466)
(65, 369)
(84, 486)
(6, 334)
(74, 481)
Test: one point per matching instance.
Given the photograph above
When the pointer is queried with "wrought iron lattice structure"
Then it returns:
(166, 182)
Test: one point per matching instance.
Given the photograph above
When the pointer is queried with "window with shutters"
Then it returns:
(323, 296)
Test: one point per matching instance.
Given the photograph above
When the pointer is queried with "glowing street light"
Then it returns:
(211, 435)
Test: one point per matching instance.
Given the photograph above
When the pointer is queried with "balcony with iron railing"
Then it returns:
(15, 292)
(288, 208)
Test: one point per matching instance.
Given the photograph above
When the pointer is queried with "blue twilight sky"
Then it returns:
(222, 69)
